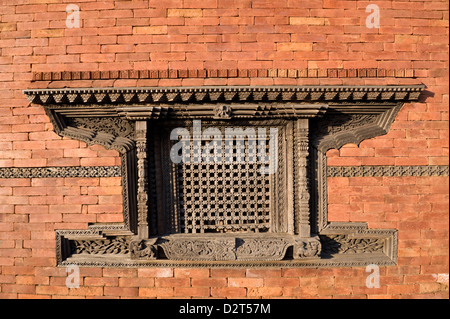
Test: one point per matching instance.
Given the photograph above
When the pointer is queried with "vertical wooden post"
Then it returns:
(142, 195)
(301, 191)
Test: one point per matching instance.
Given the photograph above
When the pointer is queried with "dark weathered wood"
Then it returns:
(312, 119)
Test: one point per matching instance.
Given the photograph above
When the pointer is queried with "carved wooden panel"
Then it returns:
(224, 192)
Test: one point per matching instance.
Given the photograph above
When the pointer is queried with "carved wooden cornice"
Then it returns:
(223, 103)
(219, 94)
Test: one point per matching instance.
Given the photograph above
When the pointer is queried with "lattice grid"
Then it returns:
(222, 194)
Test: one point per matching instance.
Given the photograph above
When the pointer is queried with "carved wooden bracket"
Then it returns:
(162, 223)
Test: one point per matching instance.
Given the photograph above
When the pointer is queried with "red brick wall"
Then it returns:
(223, 42)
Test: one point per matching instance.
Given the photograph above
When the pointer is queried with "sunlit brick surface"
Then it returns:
(223, 42)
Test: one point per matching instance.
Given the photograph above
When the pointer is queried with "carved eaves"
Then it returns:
(68, 107)
(228, 94)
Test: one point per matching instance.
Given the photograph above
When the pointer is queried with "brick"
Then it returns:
(204, 4)
(209, 282)
(172, 282)
(136, 282)
(5, 279)
(191, 272)
(18, 288)
(110, 181)
(245, 282)
(219, 272)
(403, 289)
(111, 272)
(156, 292)
(86, 291)
(262, 273)
(34, 8)
(307, 21)
(265, 292)
(16, 154)
(228, 292)
(101, 281)
(52, 290)
(294, 46)
(30, 162)
(50, 33)
(104, 161)
(191, 291)
(104, 209)
(35, 209)
(45, 218)
(116, 30)
(150, 30)
(96, 57)
(61, 144)
(281, 282)
(184, 13)
(121, 291)
(105, 190)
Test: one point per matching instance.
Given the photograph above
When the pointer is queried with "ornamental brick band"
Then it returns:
(223, 73)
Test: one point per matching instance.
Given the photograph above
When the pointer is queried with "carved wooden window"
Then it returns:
(218, 213)
(223, 192)
(226, 204)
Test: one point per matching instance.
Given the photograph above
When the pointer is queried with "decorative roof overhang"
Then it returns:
(172, 96)
(218, 102)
